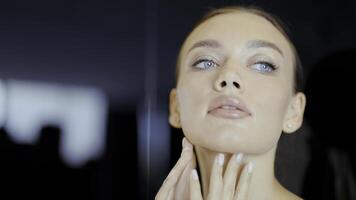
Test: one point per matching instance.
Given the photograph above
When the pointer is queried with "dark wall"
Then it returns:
(105, 44)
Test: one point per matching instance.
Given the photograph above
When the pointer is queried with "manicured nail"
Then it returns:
(249, 167)
(184, 142)
(221, 158)
(195, 174)
(186, 145)
(239, 158)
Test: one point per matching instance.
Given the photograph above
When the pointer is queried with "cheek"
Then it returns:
(270, 98)
(271, 106)
(267, 100)
(193, 96)
(191, 101)
(268, 103)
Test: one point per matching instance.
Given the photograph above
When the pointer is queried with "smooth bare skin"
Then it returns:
(268, 94)
(179, 184)
(176, 185)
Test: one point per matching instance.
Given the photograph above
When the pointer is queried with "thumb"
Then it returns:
(182, 188)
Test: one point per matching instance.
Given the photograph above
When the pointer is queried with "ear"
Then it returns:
(174, 114)
(295, 112)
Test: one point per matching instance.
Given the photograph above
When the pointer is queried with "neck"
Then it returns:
(263, 182)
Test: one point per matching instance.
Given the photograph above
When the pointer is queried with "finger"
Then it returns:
(170, 194)
(215, 185)
(186, 145)
(195, 189)
(166, 189)
(182, 186)
(185, 157)
(189, 167)
(177, 170)
(230, 176)
(244, 183)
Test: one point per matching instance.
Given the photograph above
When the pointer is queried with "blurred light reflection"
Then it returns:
(80, 113)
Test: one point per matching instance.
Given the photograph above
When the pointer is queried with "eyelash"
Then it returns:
(270, 65)
(203, 60)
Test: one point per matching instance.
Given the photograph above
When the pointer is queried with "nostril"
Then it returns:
(236, 85)
(223, 84)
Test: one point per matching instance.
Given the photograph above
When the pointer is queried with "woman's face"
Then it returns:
(232, 57)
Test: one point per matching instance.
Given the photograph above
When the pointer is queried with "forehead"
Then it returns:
(234, 30)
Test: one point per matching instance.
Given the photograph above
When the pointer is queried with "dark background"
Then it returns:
(128, 49)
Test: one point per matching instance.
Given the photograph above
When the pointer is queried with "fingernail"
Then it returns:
(239, 158)
(221, 158)
(184, 142)
(195, 174)
(250, 167)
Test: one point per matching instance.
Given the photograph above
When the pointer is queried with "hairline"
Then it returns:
(297, 84)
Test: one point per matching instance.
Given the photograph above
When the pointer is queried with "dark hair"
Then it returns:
(275, 21)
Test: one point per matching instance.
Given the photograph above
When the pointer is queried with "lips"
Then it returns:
(229, 107)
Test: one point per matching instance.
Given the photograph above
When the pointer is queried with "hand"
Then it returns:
(176, 185)
(224, 187)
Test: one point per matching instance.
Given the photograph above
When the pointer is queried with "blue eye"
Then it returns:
(205, 64)
(264, 67)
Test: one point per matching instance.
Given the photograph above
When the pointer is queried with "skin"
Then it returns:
(268, 94)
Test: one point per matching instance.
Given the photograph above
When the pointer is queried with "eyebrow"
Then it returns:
(263, 44)
(250, 45)
(206, 43)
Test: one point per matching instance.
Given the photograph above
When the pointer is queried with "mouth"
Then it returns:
(228, 107)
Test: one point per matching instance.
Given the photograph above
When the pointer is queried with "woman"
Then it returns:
(238, 89)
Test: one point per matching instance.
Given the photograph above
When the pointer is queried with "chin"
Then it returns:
(228, 142)
(227, 137)
(233, 149)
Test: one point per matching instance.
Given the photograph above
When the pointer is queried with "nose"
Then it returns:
(227, 79)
